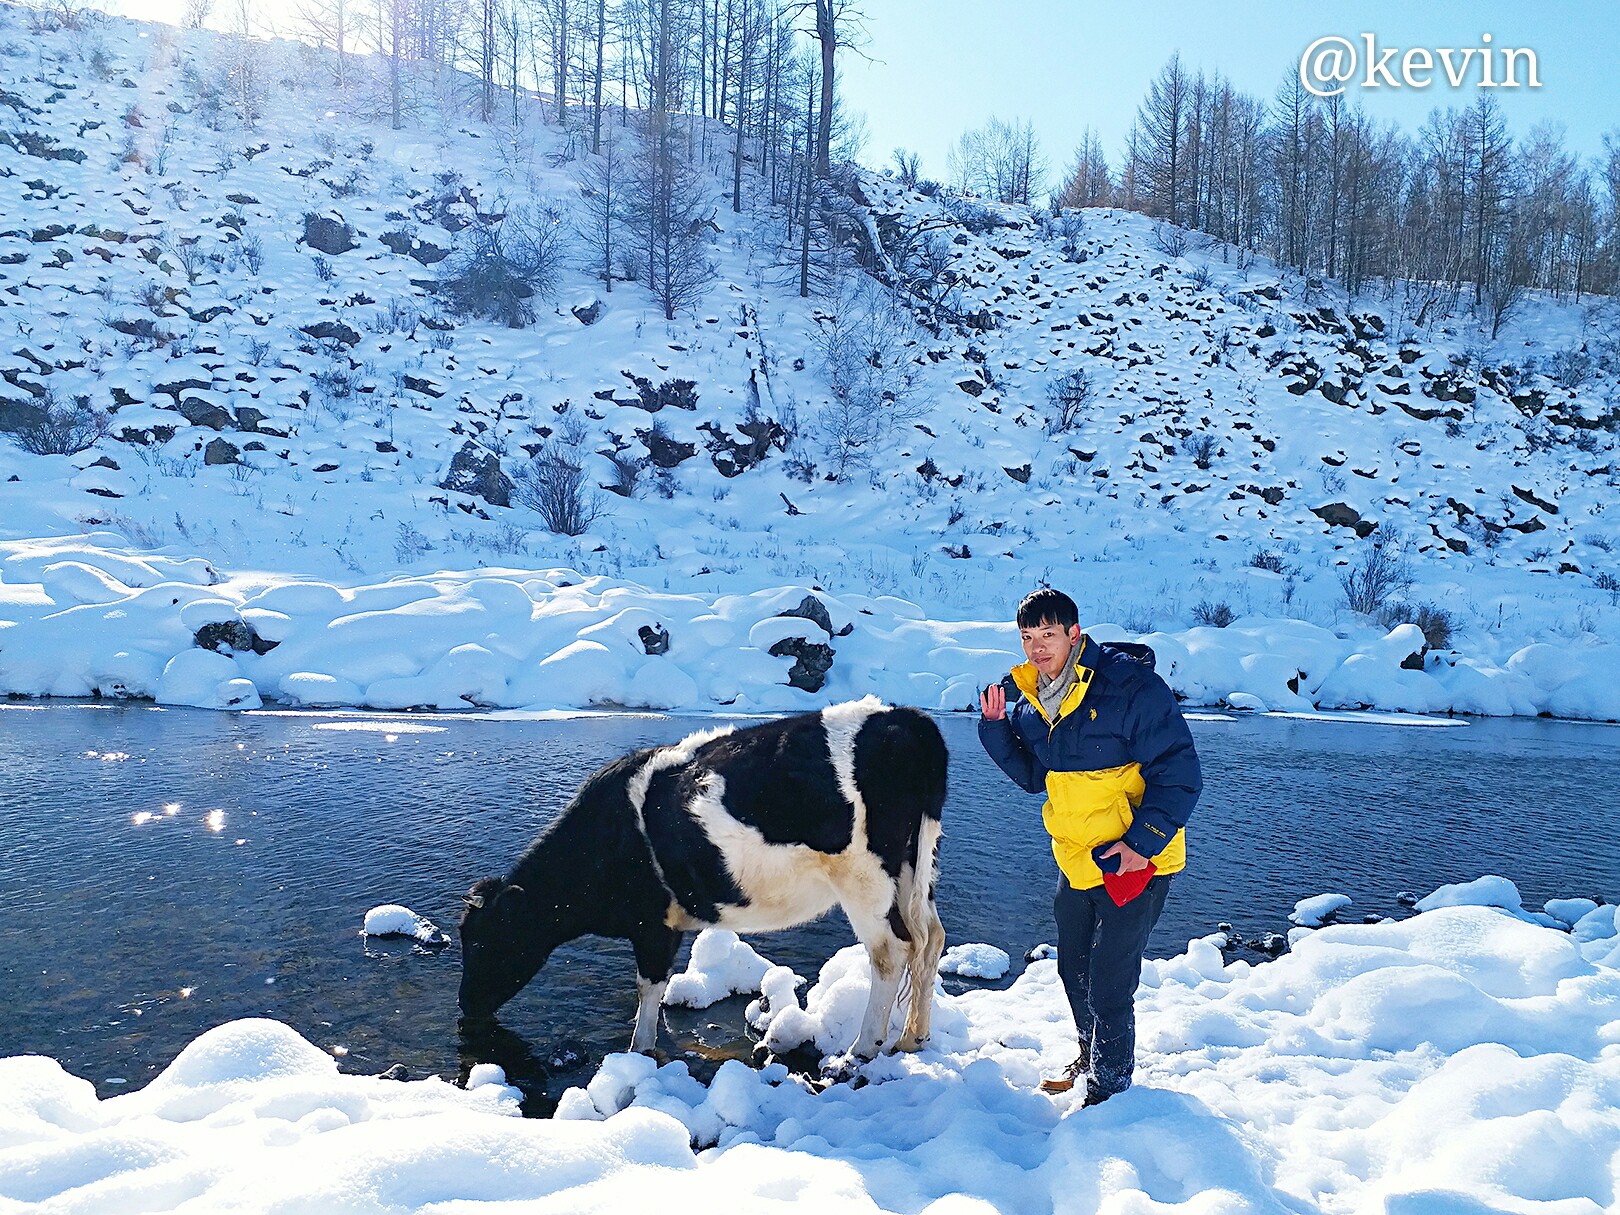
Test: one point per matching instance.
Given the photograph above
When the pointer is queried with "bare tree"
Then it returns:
(1089, 182)
(603, 215)
(868, 348)
(1001, 160)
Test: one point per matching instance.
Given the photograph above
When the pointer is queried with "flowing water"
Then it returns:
(164, 871)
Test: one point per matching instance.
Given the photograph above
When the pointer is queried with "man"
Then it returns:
(1101, 734)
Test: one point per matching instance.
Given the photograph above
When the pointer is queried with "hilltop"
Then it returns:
(1181, 437)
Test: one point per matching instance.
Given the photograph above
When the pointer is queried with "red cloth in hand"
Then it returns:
(1123, 887)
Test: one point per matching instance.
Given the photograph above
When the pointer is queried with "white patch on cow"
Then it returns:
(672, 756)
(785, 883)
(842, 723)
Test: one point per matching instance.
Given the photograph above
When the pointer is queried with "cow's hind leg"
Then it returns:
(916, 902)
(655, 951)
(880, 933)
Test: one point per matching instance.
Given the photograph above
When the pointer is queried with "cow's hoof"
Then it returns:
(910, 1045)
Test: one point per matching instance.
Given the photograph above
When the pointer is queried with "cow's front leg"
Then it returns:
(655, 948)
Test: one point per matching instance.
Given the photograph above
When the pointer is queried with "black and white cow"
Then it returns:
(749, 829)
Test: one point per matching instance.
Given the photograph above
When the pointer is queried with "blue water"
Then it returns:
(164, 871)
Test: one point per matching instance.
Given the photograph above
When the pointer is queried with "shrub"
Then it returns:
(410, 544)
(62, 430)
(1381, 573)
(1068, 396)
(1265, 559)
(503, 265)
(251, 250)
(1571, 367)
(552, 484)
(1216, 615)
(1202, 450)
(1169, 239)
(1606, 581)
(1435, 621)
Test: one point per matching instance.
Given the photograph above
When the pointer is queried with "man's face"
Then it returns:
(1048, 645)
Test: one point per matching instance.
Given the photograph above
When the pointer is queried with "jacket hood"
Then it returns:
(1131, 652)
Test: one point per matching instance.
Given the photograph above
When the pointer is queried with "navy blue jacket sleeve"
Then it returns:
(1162, 745)
(1002, 743)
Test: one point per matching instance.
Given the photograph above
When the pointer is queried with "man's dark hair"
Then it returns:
(1047, 606)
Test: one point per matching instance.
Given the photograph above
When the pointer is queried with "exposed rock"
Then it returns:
(205, 413)
(18, 415)
(333, 331)
(732, 458)
(675, 393)
(233, 635)
(428, 253)
(664, 451)
(1338, 514)
(327, 234)
(654, 640)
(221, 451)
(1525, 495)
(176, 387)
(588, 314)
(812, 661)
(1019, 474)
(812, 609)
(478, 472)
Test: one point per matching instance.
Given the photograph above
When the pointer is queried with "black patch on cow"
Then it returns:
(780, 781)
(897, 923)
(692, 866)
(900, 765)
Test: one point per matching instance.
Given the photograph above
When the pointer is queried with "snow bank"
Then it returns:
(85, 617)
(1460, 1060)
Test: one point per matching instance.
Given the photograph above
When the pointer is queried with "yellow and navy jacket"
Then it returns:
(1118, 763)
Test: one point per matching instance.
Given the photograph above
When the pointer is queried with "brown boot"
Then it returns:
(1064, 1080)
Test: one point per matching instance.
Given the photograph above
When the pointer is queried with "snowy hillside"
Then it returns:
(308, 450)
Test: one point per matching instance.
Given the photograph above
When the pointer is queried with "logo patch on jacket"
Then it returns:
(1094, 715)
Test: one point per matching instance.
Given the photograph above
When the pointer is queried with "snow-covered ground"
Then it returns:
(282, 424)
(1467, 1059)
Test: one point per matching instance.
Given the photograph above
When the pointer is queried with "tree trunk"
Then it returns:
(827, 36)
(596, 121)
(809, 181)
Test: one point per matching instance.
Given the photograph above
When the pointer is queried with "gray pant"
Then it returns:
(1100, 950)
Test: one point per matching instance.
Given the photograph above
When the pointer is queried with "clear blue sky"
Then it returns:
(939, 67)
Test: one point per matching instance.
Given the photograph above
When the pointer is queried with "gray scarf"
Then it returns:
(1051, 692)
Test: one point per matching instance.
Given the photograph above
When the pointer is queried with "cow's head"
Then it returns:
(502, 945)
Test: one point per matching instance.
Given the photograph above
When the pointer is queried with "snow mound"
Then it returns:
(1463, 1059)
(975, 961)
(1487, 891)
(392, 920)
(721, 965)
(1314, 912)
